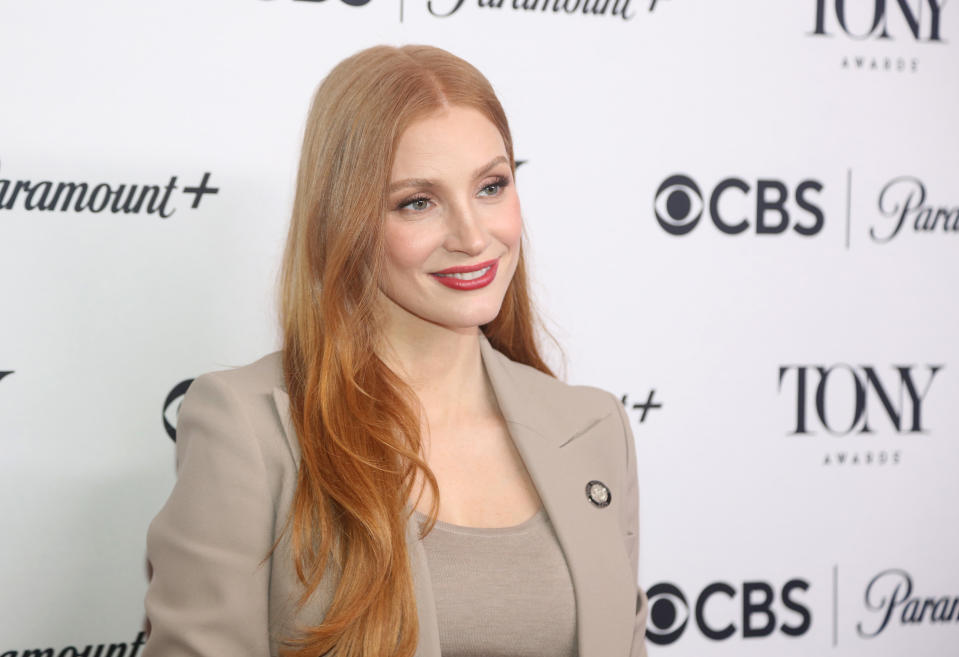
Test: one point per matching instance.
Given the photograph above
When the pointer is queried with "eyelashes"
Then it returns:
(410, 201)
(500, 182)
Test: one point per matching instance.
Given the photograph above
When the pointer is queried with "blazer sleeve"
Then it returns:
(631, 536)
(208, 592)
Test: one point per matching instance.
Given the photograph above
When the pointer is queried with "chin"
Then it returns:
(471, 322)
(472, 319)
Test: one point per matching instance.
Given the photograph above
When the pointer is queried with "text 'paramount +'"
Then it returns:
(77, 197)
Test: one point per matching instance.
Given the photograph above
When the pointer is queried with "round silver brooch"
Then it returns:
(598, 493)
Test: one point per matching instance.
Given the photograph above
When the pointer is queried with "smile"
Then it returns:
(469, 276)
(468, 280)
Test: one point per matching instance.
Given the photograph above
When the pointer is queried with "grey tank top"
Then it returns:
(501, 591)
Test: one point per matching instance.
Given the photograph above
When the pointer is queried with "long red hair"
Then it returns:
(356, 421)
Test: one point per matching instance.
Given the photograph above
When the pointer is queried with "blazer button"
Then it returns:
(598, 493)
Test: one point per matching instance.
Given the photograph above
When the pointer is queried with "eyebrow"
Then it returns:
(424, 182)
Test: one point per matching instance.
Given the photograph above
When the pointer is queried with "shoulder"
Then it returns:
(559, 392)
(239, 397)
(248, 388)
(259, 377)
(567, 404)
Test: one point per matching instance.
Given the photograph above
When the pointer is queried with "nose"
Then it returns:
(465, 231)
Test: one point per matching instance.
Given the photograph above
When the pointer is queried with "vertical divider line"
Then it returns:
(835, 605)
(848, 204)
(401, 11)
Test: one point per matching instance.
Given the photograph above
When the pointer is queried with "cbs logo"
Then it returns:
(352, 3)
(171, 407)
(669, 612)
(679, 205)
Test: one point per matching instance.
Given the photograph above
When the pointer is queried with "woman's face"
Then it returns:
(452, 203)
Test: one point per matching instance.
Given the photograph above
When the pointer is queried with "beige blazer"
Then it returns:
(237, 456)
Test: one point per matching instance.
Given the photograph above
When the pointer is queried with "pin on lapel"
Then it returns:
(598, 493)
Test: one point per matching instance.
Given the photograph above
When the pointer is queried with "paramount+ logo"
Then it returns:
(720, 611)
(766, 206)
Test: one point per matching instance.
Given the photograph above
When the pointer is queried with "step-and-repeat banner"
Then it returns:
(743, 220)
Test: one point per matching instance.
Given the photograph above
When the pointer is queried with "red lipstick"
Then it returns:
(467, 284)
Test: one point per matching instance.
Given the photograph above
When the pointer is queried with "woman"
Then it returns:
(406, 475)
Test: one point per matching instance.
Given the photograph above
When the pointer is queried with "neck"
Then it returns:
(443, 366)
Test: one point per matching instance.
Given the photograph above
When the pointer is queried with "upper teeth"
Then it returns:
(469, 275)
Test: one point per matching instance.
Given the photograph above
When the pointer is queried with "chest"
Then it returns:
(482, 479)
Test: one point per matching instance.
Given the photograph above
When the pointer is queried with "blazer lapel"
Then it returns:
(554, 440)
(557, 444)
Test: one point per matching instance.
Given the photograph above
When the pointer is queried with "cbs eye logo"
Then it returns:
(680, 204)
(171, 407)
(669, 612)
(352, 3)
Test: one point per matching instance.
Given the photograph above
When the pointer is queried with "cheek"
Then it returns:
(407, 246)
(510, 223)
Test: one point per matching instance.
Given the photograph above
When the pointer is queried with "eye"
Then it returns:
(494, 188)
(417, 204)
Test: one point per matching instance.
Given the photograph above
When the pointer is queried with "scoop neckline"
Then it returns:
(469, 529)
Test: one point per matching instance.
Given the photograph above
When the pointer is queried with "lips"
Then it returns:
(462, 269)
(463, 280)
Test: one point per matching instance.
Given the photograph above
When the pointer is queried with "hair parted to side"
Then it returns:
(356, 421)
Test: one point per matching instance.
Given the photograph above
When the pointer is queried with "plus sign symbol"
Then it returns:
(200, 190)
(645, 406)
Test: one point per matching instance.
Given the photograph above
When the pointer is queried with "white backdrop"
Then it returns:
(789, 543)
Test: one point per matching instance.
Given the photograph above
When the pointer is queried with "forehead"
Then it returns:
(454, 140)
